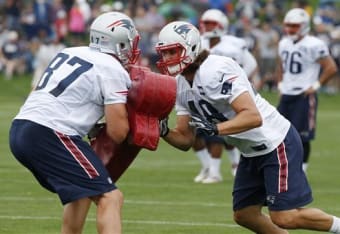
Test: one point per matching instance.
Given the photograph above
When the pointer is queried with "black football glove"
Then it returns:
(163, 127)
(95, 130)
(207, 128)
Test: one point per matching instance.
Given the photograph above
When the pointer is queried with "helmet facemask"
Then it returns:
(178, 47)
(178, 61)
(128, 53)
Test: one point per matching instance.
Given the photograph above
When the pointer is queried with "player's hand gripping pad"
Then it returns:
(151, 97)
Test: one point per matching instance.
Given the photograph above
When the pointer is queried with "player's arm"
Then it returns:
(117, 123)
(247, 116)
(328, 68)
(182, 136)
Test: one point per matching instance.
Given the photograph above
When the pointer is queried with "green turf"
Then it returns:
(160, 196)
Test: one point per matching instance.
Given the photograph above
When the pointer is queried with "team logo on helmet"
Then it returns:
(183, 30)
(122, 23)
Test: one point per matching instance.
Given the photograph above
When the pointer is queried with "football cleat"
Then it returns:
(202, 175)
(212, 179)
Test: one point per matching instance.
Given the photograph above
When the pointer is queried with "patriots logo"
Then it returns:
(322, 52)
(183, 30)
(122, 23)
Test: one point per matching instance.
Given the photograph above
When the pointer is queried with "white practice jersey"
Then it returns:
(299, 63)
(235, 48)
(217, 83)
(71, 94)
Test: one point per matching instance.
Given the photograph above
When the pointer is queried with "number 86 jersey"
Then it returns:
(73, 90)
(299, 63)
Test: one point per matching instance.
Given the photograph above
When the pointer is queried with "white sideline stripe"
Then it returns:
(164, 203)
(155, 222)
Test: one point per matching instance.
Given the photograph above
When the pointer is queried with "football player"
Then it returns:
(304, 66)
(214, 28)
(79, 87)
(215, 96)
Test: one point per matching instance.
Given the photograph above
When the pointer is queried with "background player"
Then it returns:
(215, 96)
(79, 86)
(304, 66)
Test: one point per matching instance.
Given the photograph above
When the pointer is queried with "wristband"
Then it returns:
(316, 85)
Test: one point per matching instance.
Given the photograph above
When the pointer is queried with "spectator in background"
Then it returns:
(60, 20)
(267, 39)
(77, 24)
(43, 16)
(12, 56)
(145, 29)
(247, 8)
(12, 14)
(156, 22)
(85, 9)
(43, 57)
(334, 48)
(27, 21)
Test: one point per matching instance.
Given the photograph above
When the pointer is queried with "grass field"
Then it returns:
(160, 196)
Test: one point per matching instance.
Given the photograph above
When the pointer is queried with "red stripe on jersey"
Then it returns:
(78, 155)
(123, 92)
(231, 79)
(283, 168)
(311, 114)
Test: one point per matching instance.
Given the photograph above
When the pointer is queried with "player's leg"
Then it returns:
(199, 147)
(215, 149)
(288, 190)
(304, 121)
(66, 165)
(249, 196)
(306, 218)
(74, 216)
(234, 157)
(306, 153)
(109, 206)
(251, 217)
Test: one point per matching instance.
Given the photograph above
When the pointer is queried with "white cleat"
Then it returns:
(202, 175)
(212, 179)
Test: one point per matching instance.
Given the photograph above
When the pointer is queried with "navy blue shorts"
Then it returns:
(300, 110)
(63, 164)
(275, 180)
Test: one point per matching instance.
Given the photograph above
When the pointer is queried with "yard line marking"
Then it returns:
(205, 204)
(145, 202)
(152, 222)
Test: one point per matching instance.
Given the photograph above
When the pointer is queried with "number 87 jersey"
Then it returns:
(73, 90)
(300, 67)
